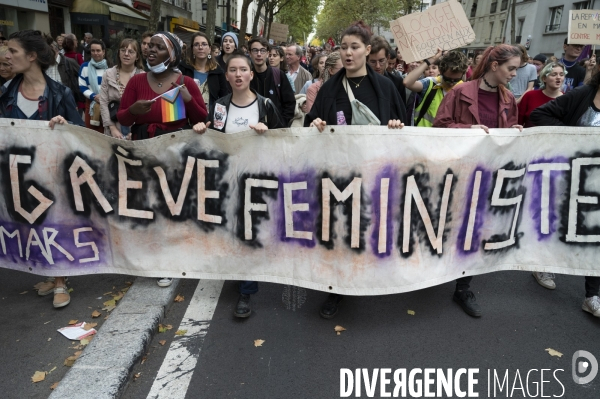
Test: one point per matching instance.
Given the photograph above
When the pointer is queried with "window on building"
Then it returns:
(493, 7)
(474, 9)
(519, 32)
(491, 31)
(392, 40)
(555, 17)
(582, 5)
(502, 28)
(504, 5)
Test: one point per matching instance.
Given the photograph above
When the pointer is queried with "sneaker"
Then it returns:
(330, 307)
(164, 281)
(45, 288)
(61, 297)
(592, 305)
(242, 309)
(546, 280)
(467, 301)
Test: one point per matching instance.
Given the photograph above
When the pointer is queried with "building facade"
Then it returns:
(16, 15)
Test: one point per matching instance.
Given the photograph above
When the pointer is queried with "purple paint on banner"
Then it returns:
(390, 173)
(535, 206)
(486, 177)
(65, 238)
(341, 119)
(303, 220)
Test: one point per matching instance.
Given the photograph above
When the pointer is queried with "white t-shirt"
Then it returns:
(241, 118)
(27, 106)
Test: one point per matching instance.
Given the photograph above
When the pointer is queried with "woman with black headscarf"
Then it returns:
(162, 100)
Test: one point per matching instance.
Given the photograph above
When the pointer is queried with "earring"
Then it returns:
(209, 56)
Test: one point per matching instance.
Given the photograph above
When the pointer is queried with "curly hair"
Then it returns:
(454, 61)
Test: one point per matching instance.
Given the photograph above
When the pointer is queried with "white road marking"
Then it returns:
(176, 371)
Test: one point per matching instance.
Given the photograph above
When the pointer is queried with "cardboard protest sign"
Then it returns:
(279, 32)
(584, 27)
(420, 34)
(360, 210)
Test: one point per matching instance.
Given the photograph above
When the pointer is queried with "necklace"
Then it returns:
(159, 83)
(356, 84)
(489, 85)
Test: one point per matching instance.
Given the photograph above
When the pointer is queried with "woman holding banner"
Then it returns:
(494, 106)
(33, 95)
(356, 95)
(578, 107)
(241, 110)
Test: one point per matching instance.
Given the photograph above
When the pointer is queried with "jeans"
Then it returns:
(248, 287)
(462, 284)
(592, 286)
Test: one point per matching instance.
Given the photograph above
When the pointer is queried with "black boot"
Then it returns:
(330, 308)
(467, 301)
(242, 309)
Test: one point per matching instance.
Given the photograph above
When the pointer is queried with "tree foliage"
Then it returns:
(299, 16)
(337, 15)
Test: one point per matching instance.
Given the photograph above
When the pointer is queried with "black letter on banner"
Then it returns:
(252, 207)
(500, 241)
(576, 229)
(353, 206)
(410, 217)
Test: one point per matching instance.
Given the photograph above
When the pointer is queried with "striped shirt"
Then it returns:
(84, 82)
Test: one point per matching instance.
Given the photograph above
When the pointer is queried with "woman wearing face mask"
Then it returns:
(318, 63)
(483, 103)
(241, 110)
(113, 86)
(6, 73)
(552, 77)
(90, 79)
(333, 63)
(229, 43)
(204, 69)
(355, 83)
(33, 95)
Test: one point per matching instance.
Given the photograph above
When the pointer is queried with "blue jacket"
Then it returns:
(57, 100)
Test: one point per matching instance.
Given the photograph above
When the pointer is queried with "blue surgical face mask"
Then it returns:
(160, 68)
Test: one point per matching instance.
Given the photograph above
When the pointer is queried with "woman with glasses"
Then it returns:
(201, 66)
(129, 64)
(430, 91)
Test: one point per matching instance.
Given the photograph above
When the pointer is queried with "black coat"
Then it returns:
(68, 69)
(565, 110)
(217, 84)
(390, 103)
(284, 98)
(398, 82)
(267, 113)
(60, 101)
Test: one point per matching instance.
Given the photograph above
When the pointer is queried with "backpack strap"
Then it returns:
(426, 103)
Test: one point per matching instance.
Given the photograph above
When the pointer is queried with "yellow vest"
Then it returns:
(427, 120)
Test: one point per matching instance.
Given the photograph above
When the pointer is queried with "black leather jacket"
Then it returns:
(267, 112)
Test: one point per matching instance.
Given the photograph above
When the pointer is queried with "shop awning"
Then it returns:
(120, 13)
(124, 11)
(185, 28)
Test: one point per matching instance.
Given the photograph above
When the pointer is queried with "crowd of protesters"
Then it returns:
(262, 86)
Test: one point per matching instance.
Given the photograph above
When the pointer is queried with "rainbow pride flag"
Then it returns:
(172, 106)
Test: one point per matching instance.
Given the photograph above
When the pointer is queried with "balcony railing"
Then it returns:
(552, 28)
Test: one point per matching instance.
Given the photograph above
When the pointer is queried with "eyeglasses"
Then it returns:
(259, 50)
(375, 62)
(126, 51)
(450, 80)
(200, 45)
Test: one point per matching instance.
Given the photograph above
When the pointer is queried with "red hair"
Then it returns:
(500, 54)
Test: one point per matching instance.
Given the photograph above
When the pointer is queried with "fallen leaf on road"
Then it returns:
(38, 376)
(107, 293)
(110, 302)
(118, 297)
(89, 326)
(95, 314)
(84, 341)
(48, 322)
(53, 386)
(70, 290)
(125, 289)
(49, 339)
(71, 322)
(109, 308)
(162, 342)
(144, 359)
(258, 342)
(339, 329)
(128, 283)
(24, 292)
(180, 332)
(164, 327)
(137, 375)
(179, 298)
(54, 368)
(553, 352)
(411, 312)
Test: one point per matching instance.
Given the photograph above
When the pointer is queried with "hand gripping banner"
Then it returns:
(354, 210)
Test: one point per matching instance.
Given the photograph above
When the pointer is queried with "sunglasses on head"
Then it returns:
(450, 80)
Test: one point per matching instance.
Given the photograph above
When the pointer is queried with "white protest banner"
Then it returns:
(584, 27)
(420, 34)
(355, 210)
(278, 32)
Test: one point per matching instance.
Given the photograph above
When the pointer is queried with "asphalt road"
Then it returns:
(302, 355)
(29, 341)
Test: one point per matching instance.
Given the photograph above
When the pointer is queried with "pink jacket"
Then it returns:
(459, 108)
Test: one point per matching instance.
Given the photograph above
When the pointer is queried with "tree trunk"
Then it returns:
(513, 8)
(269, 21)
(244, 22)
(154, 15)
(261, 4)
(211, 17)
